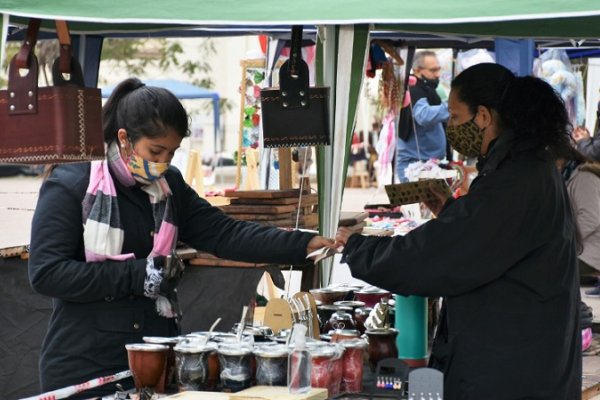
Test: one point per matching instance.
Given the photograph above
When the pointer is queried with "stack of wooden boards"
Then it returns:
(274, 207)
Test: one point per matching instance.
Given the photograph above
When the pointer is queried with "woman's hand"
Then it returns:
(580, 133)
(441, 198)
(344, 232)
(318, 242)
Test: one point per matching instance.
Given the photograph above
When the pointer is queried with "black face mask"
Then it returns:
(432, 83)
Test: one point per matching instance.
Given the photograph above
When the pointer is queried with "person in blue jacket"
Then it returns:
(504, 256)
(102, 236)
(421, 132)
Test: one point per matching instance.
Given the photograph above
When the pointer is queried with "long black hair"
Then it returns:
(143, 111)
(527, 105)
(482, 85)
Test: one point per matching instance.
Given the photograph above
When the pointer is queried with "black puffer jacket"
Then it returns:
(99, 307)
(504, 257)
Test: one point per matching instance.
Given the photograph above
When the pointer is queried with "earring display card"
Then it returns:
(415, 192)
(426, 384)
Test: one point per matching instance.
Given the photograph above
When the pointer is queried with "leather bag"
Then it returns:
(295, 114)
(54, 124)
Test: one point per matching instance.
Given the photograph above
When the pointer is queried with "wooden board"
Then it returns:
(185, 253)
(261, 217)
(18, 251)
(278, 315)
(263, 194)
(218, 200)
(200, 396)
(277, 393)
(207, 259)
(258, 209)
(352, 218)
(304, 221)
(307, 200)
(285, 168)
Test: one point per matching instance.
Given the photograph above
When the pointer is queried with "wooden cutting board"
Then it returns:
(200, 396)
(349, 218)
(207, 259)
(263, 194)
(307, 200)
(258, 209)
(262, 217)
(278, 315)
(277, 393)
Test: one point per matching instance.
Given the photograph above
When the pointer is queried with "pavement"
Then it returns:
(18, 198)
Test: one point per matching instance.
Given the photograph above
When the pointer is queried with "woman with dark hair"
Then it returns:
(103, 234)
(504, 256)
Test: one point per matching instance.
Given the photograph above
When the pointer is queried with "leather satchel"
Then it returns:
(55, 124)
(295, 114)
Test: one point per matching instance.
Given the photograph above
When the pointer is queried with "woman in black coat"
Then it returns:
(102, 232)
(503, 256)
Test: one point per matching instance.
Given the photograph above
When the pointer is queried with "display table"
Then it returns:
(308, 281)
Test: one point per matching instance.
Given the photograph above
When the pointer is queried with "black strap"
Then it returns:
(295, 49)
(293, 75)
(409, 60)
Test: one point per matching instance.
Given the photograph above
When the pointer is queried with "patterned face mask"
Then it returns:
(145, 171)
(466, 138)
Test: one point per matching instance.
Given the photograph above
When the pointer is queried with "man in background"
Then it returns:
(422, 136)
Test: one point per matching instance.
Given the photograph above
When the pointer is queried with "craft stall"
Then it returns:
(325, 341)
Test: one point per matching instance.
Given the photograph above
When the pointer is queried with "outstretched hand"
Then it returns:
(580, 133)
(318, 242)
(441, 197)
(344, 232)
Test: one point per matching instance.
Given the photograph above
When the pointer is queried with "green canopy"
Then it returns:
(511, 18)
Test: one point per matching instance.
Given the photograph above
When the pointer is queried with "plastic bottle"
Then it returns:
(299, 362)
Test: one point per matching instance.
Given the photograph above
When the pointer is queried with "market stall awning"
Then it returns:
(513, 18)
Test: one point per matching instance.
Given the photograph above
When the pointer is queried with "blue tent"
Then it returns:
(183, 91)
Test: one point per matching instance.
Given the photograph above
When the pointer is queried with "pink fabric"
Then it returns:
(163, 241)
(98, 171)
(103, 233)
(586, 338)
(90, 256)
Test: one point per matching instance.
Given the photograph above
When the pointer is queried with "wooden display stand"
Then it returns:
(285, 168)
(245, 64)
(194, 175)
(251, 170)
(274, 207)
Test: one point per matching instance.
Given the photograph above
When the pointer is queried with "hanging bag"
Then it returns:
(295, 114)
(54, 124)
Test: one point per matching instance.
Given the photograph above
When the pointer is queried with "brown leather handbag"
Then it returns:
(54, 124)
(295, 114)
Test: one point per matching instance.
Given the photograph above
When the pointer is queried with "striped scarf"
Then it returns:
(103, 232)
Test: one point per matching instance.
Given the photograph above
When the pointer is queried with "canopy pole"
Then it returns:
(345, 51)
(3, 35)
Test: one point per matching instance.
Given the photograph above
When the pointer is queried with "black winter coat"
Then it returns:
(504, 257)
(99, 307)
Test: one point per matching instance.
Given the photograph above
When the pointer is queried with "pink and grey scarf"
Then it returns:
(103, 233)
